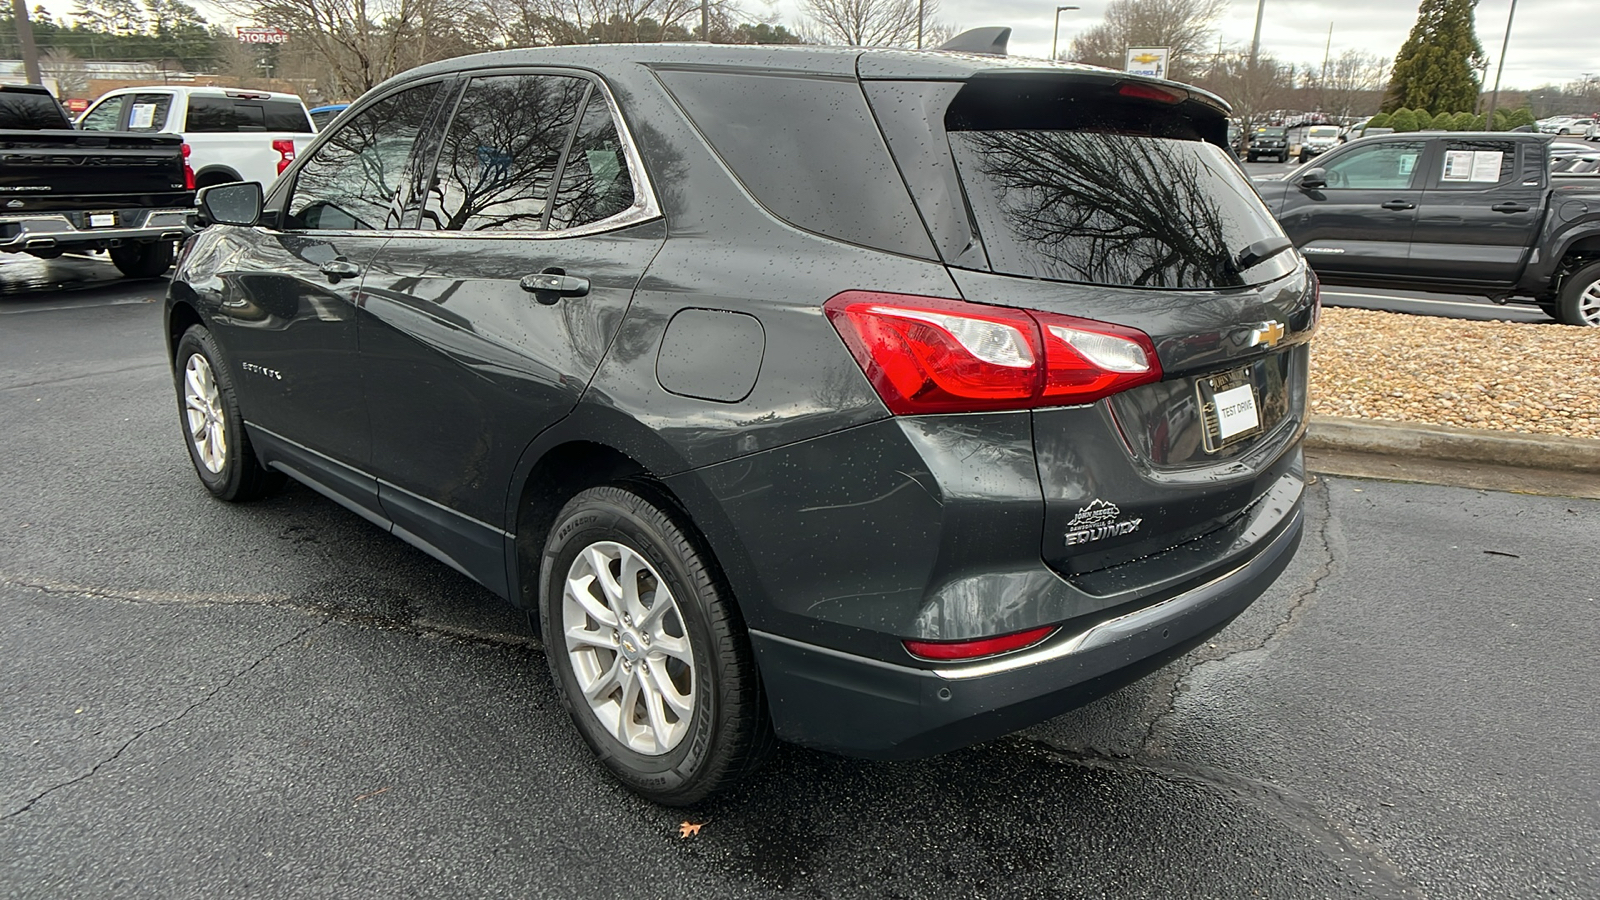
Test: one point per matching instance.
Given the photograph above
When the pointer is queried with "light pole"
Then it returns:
(1056, 34)
(1494, 98)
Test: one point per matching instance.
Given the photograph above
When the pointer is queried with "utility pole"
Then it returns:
(705, 20)
(1327, 55)
(1494, 98)
(1255, 42)
(30, 53)
(921, 14)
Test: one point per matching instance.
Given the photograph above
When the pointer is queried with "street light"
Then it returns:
(1056, 34)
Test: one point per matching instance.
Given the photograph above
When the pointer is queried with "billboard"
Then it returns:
(261, 35)
(1147, 61)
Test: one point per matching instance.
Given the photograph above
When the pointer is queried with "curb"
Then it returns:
(1440, 442)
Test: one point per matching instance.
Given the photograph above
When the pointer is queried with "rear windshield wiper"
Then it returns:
(1261, 251)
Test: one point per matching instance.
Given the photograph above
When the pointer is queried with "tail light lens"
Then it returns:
(931, 355)
(978, 649)
(285, 150)
(188, 171)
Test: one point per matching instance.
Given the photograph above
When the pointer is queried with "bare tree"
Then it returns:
(1254, 91)
(71, 75)
(534, 23)
(1184, 27)
(873, 23)
(1346, 81)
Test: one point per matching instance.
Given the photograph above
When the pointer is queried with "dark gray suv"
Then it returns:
(882, 402)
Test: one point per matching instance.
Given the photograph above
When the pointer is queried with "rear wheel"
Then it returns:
(1580, 298)
(212, 426)
(647, 650)
(146, 260)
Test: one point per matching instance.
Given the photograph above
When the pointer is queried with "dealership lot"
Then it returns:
(278, 700)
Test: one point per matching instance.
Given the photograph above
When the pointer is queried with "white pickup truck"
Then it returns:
(228, 134)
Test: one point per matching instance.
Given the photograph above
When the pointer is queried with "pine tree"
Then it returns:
(1436, 67)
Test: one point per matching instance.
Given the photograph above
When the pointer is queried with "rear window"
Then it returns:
(1108, 191)
(233, 114)
(27, 111)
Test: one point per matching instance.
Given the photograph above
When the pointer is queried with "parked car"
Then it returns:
(1460, 213)
(795, 389)
(1319, 139)
(1270, 141)
(64, 190)
(322, 115)
(228, 135)
(1564, 125)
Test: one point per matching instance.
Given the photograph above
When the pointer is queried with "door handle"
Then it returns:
(1399, 204)
(1510, 207)
(552, 284)
(339, 268)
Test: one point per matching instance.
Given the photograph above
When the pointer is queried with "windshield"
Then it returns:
(1115, 209)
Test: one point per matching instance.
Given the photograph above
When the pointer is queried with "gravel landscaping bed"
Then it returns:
(1508, 376)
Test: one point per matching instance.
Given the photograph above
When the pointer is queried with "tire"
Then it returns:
(696, 719)
(146, 260)
(1579, 303)
(213, 429)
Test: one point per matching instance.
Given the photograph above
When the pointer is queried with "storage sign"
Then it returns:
(261, 35)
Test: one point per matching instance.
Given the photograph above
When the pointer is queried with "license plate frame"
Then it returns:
(106, 219)
(1230, 408)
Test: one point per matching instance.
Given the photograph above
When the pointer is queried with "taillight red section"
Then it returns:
(285, 150)
(965, 650)
(188, 171)
(932, 355)
(1149, 92)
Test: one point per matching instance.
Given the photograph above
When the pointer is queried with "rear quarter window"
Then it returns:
(27, 111)
(809, 150)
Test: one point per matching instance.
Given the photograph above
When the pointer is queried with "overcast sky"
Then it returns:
(1552, 41)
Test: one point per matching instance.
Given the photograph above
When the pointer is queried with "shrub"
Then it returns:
(1403, 120)
(1381, 120)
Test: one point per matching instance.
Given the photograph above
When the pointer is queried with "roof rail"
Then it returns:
(990, 41)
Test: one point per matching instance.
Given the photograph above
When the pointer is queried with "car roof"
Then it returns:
(797, 59)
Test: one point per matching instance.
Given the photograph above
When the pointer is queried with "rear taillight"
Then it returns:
(966, 650)
(931, 355)
(188, 171)
(285, 150)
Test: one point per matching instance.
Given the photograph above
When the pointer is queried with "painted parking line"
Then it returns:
(6, 310)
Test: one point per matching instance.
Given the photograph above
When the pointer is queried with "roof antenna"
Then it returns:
(990, 41)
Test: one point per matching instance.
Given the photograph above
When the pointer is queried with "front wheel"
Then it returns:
(146, 260)
(212, 426)
(1579, 303)
(647, 650)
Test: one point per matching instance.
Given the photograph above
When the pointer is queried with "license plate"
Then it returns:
(1229, 407)
(102, 220)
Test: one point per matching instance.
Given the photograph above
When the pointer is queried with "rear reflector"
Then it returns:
(965, 650)
(932, 355)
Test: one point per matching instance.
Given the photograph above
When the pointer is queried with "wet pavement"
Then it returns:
(276, 699)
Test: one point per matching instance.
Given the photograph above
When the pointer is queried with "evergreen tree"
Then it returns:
(1436, 67)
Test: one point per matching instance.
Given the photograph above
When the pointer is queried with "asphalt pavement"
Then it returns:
(278, 700)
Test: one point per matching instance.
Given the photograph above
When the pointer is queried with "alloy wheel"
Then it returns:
(1589, 304)
(629, 650)
(202, 407)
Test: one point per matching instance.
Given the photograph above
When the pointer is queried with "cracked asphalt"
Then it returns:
(277, 700)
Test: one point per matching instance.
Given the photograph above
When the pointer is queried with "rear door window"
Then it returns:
(595, 184)
(27, 111)
(1474, 165)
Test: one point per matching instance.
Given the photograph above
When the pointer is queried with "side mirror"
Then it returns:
(1313, 178)
(238, 203)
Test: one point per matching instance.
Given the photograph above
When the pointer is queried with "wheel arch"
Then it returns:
(215, 174)
(598, 445)
(182, 314)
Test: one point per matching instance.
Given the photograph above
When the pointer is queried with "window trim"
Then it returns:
(645, 208)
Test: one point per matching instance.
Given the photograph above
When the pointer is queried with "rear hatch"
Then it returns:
(1092, 195)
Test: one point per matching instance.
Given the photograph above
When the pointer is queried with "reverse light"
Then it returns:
(932, 355)
(285, 150)
(188, 171)
(978, 649)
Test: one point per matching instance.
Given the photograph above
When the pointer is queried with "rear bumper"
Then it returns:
(859, 706)
(46, 231)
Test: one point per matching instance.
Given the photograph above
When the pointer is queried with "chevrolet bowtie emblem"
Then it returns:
(1267, 334)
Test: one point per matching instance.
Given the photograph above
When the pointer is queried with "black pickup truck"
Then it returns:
(63, 189)
(1459, 213)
